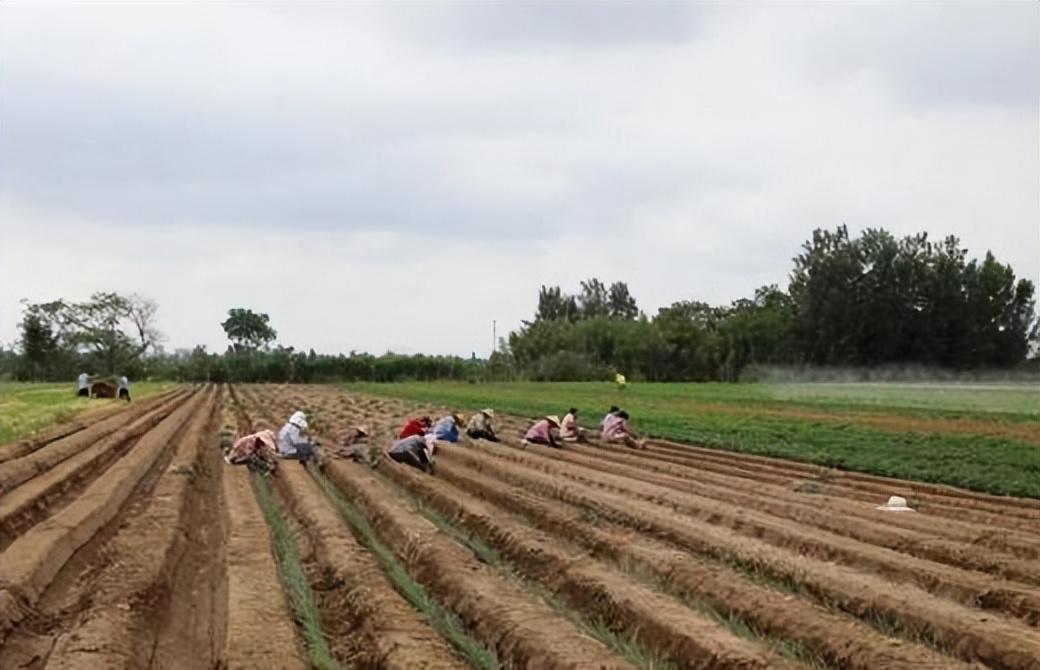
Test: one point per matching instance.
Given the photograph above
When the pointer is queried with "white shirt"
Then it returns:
(82, 380)
(288, 436)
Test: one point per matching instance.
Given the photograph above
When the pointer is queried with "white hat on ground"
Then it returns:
(895, 504)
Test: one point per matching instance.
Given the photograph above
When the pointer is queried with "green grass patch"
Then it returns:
(444, 621)
(677, 411)
(294, 578)
(28, 408)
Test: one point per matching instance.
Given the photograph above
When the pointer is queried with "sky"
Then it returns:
(397, 176)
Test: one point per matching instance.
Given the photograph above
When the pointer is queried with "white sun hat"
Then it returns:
(299, 419)
(895, 504)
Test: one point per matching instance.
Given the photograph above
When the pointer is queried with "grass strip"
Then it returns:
(624, 645)
(443, 620)
(290, 569)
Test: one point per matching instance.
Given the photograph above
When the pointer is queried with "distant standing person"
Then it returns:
(292, 444)
(480, 425)
(544, 431)
(416, 451)
(83, 385)
(618, 432)
(620, 380)
(124, 388)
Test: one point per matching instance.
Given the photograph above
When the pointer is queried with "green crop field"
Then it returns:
(982, 437)
(26, 408)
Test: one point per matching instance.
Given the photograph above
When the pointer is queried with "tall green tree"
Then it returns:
(38, 343)
(248, 330)
(112, 331)
(620, 303)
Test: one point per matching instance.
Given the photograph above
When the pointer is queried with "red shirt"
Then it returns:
(412, 427)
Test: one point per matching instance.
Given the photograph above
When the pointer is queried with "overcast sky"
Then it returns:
(396, 176)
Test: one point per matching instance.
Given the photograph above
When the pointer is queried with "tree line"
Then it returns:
(866, 301)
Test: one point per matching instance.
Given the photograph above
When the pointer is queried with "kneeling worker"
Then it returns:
(353, 444)
(447, 428)
(415, 427)
(292, 444)
(618, 432)
(544, 431)
(570, 431)
(256, 451)
(416, 451)
(480, 427)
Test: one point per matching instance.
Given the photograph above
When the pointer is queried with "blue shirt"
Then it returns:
(445, 429)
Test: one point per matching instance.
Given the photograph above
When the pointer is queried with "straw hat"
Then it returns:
(895, 504)
(363, 430)
(554, 420)
(490, 412)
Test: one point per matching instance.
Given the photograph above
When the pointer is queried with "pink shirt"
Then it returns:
(540, 430)
(569, 426)
(614, 428)
(251, 444)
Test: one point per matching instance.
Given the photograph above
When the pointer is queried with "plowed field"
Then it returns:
(127, 542)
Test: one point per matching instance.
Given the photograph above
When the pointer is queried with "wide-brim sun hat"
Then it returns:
(363, 430)
(299, 419)
(490, 412)
(895, 504)
(553, 419)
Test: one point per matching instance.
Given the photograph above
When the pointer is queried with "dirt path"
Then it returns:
(30, 444)
(45, 494)
(962, 585)
(840, 640)
(19, 470)
(130, 597)
(368, 623)
(33, 559)
(523, 631)
(975, 635)
(912, 532)
(259, 629)
(653, 619)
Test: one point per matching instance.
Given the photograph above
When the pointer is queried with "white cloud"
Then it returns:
(367, 174)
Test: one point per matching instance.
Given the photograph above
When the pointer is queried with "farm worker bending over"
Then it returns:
(609, 417)
(354, 445)
(291, 443)
(617, 431)
(83, 385)
(480, 427)
(569, 429)
(124, 388)
(416, 451)
(415, 427)
(545, 432)
(257, 451)
(447, 428)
